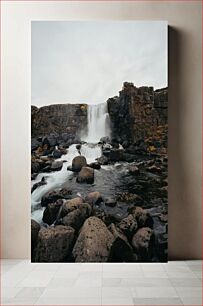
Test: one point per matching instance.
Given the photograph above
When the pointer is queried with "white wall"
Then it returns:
(184, 19)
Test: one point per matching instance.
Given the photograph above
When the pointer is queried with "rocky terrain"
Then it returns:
(114, 208)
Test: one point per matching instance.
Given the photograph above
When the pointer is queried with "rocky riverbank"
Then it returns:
(103, 202)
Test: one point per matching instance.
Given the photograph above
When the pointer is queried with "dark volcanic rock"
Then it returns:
(115, 155)
(78, 162)
(95, 165)
(35, 227)
(142, 217)
(86, 175)
(94, 242)
(128, 225)
(66, 119)
(51, 212)
(103, 160)
(57, 153)
(56, 166)
(54, 244)
(77, 217)
(121, 251)
(137, 112)
(41, 183)
(143, 242)
(71, 205)
(93, 198)
(52, 196)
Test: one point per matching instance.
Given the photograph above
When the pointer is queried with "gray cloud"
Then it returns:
(76, 62)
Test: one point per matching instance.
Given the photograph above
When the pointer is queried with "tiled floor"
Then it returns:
(174, 283)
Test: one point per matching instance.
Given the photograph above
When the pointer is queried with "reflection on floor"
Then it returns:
(173, 283)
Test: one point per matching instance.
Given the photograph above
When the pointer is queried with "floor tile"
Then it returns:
(153, 292)
(185, 282)
(116, 292)
(9, 292)
(189, 291)
(73, 292)
(117, 301)
(30, 292)
(157, 301)
(61, 282)
(69, 301)
(146, 282)
(21, 301)
(192, 301)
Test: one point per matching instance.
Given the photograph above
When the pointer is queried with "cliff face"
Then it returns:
(137, 112)
(58, 118)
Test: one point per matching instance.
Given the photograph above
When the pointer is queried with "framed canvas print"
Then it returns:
(99, 128)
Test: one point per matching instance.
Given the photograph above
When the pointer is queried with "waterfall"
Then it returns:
(98, 123)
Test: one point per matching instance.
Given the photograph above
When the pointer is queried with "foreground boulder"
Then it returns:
(143, 242)
(77, 217)
(71, 205)
(51, 212)
(94, 197)
(86, 175)
(56, 166)
(78, 162)
(54, 244)
(35, 227)
(128, 225)
(94, 242)
(103, 160)
(142, 217)
(121, 251)
(53, 196)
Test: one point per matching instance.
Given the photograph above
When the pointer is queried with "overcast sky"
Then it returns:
(87, 62)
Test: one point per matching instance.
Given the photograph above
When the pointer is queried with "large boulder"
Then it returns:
(71, 205)
(51, 212)
(50, 140)
(77, 217)
(142, 217)
(56, 165)
(86, 175)
(54, 244)
(143, 242)
(121, 251)
(103, 160)
(128, 225)
(57, 153)
(94, 197)
(78, 162)
(94, 242)
(35, 227)
(53, 196)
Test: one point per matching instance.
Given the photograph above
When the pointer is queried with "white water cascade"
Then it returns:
(98, 126)
(98, 123)
(57, 179)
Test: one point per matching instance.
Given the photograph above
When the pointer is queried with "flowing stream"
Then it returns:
(98, 126)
